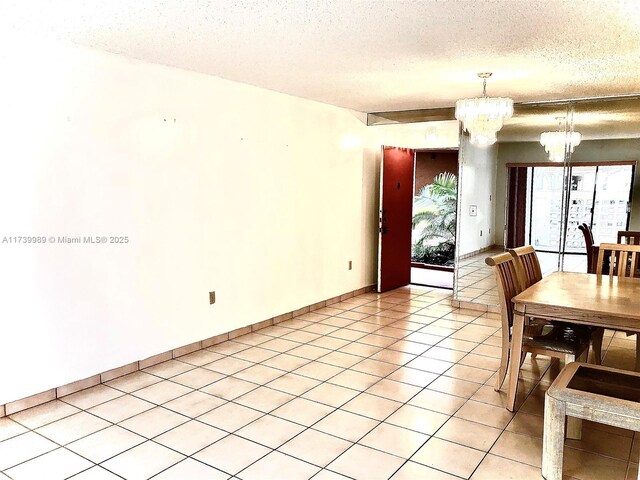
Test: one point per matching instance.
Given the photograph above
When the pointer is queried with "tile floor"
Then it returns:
(398, 385)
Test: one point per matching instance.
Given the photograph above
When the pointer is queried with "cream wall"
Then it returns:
(260, 196)
(477, 186)
(587, 151)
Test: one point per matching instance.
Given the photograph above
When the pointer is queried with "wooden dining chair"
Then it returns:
(621, 260)
(627, 237)
(589, 244)
(568, 342)
(529, 272)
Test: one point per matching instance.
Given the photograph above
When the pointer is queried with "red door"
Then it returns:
(396, 205)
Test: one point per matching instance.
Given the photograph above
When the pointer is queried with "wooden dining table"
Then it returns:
(582, 298)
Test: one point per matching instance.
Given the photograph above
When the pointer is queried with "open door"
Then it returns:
(396, 206)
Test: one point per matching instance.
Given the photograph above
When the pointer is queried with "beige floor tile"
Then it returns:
(315, 447)
(372, 406)
(259, 374)
(330, 343)
(398, 391)
(414, 471)
(521, 448)
(449, 457)
(309, 351)
(469, 434)
(72, 428)
(229, 388)
(365, 463)
(264, 399)
(228, 348)
(280, 345)
(480, 361)
(42, 414)
(339, 359)
(10, 428)
(55, 465)
(168, 369)
(194, 404)
(121, 408)
(190, 469)
(319, 371)
(360, 349)
(588, 466)
(231, 454)
(162, 392)
(200, 357)
(471, 374)
(437, 401)
(143, 461)
(527, 424)
(487, 394)
(303, 411)
(270, 431)
(228, 365)
(92, 396)
(329, 394)
(444, 354)
(603, 443)
(285, 362)
(417, 419)
(134, 381)
(154, 422)
(230, 416)
(346, 425)
(23, 447)
(255, 354)
(293, 384)
(394, 440)
(393, 356)
(454, 386)
(96, 473)
(486, 414)
(355, 380)
(197, 378)
(493, 467)
(105, 444)
(280, 466)
(254, 338)
(413, 376)
(190, 437)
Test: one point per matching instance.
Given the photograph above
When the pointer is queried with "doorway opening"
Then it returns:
(434, 208)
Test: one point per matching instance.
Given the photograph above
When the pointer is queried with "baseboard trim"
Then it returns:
(43, 397)
(477, 252)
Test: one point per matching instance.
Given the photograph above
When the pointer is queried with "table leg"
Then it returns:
(517, 332)
(553, 439)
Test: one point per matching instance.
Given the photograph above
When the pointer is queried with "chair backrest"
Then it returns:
(628, 238)
(588, 242)
(509, 286)
(527, 265)
(620, 258)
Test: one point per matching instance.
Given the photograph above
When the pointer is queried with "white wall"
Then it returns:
(260, 196)
(477, 186)
(588, 151)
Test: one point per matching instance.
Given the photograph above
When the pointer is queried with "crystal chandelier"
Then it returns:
(483, 116)
(557, 143)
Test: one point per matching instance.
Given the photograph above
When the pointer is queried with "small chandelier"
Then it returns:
(557, 143)
(483, 116)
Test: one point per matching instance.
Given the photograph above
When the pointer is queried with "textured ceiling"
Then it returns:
(365, 55)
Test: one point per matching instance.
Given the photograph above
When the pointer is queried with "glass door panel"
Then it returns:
(611, 210)
(546, 208)
(581, 192)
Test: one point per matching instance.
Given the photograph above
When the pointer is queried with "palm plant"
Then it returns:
(434, 226)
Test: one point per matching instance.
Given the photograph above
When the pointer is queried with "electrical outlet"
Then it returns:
(212, 298)
(350, 264)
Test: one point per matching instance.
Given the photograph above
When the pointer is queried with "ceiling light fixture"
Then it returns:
(558, 143)
(483, 116)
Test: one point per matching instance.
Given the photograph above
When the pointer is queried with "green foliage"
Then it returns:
(435, 226)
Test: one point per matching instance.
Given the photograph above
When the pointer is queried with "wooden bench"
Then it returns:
(590, 392)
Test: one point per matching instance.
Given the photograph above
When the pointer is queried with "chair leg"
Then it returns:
(522, 358)
(504, 362)
(637, 353)
(596, 343)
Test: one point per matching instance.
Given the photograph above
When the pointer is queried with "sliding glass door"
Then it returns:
(598, 195)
